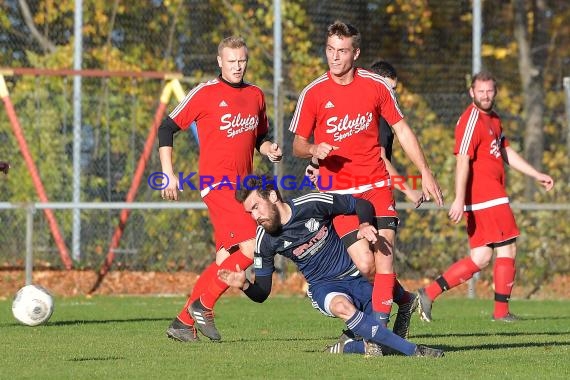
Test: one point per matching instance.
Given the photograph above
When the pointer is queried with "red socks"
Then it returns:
(199, 288)
(382, 294)
(456, 274)
(217, 287)
(504, 277)
(209, 288)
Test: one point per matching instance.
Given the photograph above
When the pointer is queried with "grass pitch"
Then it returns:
(124, 338)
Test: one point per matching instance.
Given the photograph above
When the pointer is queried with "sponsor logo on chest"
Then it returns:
(236, 124)
(342, 127)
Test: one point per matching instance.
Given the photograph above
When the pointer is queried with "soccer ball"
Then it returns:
(32, 305)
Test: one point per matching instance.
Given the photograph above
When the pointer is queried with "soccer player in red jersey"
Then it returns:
(340, 110)
(481, 150)
(231, 120)
(386, 136)
(406, 301)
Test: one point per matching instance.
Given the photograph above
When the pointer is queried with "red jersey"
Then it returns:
(228, 119)
(347, 116)
(480, 136)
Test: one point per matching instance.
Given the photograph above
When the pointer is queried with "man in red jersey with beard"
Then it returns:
(340, 110)
(481, 150)
(231, 121)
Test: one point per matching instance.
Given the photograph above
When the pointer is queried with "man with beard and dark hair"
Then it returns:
(481, 150)
(302, 231)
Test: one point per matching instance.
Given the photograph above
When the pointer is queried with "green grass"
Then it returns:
(124, 338)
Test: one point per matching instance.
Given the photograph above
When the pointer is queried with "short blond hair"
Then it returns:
(232, 42)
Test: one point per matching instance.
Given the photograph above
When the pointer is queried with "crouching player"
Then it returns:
(302, 231)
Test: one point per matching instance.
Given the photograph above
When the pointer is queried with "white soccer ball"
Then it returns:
(32, 305)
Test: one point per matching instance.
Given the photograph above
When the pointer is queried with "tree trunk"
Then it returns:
(532, 57)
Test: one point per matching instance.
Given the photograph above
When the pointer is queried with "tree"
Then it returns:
(532, 39)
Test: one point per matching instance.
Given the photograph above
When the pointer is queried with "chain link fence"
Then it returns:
(429, 44)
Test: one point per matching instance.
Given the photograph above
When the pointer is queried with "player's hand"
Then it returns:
(171, 191)
(456, 211)
(368, 232)
(416, 197)
(431, 188)
(312, 173)
(545, 180)
(274, 154)
(235, 279)
(322, 150)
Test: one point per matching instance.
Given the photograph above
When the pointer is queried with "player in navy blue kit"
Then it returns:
(302, 231)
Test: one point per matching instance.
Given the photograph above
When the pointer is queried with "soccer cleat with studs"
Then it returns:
(424, 305)
(405, 312)
(425, 351)
(181, 332)
(204, 320)
(372, 349)
(507, 318)
(338, 346)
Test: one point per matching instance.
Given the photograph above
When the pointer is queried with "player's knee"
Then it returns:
(363, 258)
(221, 256)
(366, 269)
(341, 307)
(247, 248)
(481, 261)
(481, 256)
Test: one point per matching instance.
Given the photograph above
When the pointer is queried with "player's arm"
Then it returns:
(269, 149)
(461, 176)
(400, 183)
(411, 146)
(517, 162)
(258, 291)
(312, 170)
(166, 133)
(345, 204)
(304, 149)
(365, 212)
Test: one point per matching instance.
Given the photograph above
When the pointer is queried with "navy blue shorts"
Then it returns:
(357, 289)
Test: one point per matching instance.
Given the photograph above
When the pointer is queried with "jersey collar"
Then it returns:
(234, 85)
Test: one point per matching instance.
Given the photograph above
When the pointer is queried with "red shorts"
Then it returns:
(232, 225)
(491, 225)
(381, 198)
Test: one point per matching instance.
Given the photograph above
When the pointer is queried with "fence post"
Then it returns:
(472, 283)
(30, 210)
(566, 84)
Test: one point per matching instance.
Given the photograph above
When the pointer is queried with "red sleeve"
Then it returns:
(389, 108)
(466, 138)
(187, 110)
(305, 116)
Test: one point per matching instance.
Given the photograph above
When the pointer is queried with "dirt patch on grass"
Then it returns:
(74, 282)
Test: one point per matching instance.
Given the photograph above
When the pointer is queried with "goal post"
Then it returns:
(31, 104)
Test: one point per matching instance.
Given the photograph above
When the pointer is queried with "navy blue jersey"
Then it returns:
(308, 239)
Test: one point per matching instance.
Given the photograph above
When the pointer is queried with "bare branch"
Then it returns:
(44, 42)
